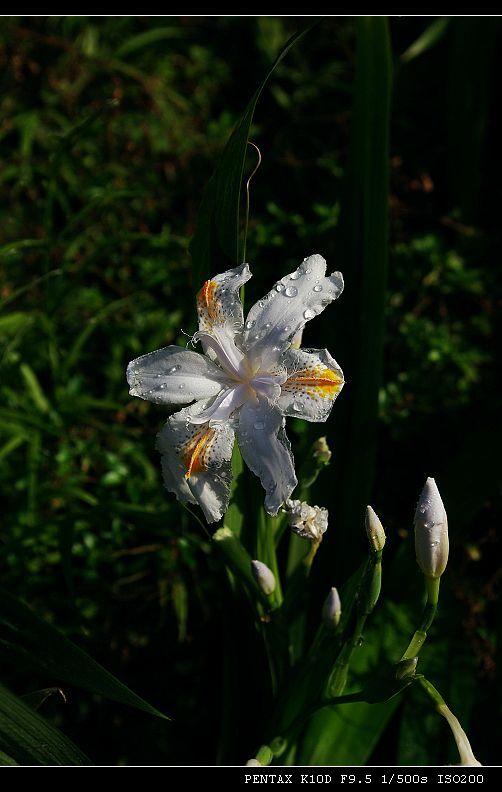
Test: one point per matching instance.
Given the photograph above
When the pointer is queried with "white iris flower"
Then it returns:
(248, 380)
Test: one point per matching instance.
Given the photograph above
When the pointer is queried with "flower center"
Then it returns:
(246, 383)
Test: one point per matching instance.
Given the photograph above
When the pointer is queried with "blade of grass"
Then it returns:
(215, 245)
(28, 641)
(28, 739)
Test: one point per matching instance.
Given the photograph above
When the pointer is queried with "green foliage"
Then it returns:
(111, 128)
(25, 738)
(28, 641)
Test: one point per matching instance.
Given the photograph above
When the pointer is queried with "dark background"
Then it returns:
(109, 131)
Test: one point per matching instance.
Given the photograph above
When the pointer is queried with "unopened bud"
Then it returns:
(309, 522)
(263, 576)
(263, 758)
(332, 609)
(374, 530)
(431, 532)
(321, 450)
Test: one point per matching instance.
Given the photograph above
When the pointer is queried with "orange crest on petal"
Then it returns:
(207, 303)
(194, 451)
(320, 381)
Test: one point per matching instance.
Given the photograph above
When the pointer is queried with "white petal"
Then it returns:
(226, 402)
(218, 301)
(267, 452)
(273, 322)
(196, 460)
(174, 376)
(314, 381)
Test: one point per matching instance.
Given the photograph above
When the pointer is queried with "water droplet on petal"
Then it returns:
(259, 425)
(279, 286)
(267, 326)
(291, 291)
(261, 303)
(297, 274)
(287, 329)
(181, 387)
(174, 369)
(163, 386)
(317, 287)
(296, 407)
(308, 270)
(308, 314)
(249, 325)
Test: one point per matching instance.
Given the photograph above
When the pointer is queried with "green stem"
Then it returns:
(464, 747)
(266, 552)
(428, 615)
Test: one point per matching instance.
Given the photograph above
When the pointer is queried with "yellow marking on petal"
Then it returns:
(323, 382)
(207, 302)
(194, 452)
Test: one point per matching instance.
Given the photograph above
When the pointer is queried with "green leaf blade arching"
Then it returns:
(28, 739)
(215, 244)
(27, 641)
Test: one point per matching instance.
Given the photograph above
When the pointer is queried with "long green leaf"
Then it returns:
(27, 739)
(364, 257)
(28, 641)
(215, 244)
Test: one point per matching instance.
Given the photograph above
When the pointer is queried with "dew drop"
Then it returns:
(295, 275)
(163, 386)
(308, 314)
(279, 286)
(287, 329)
(261, 303)
(259, 425)
(249, 325)
(174, 369)
(296, 407)
(291, 291)
(308, 270)
(317, 288)
(181, 387)
(434, 544)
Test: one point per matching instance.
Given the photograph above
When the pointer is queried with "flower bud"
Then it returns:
(431, 532)
(321, 450)
(263, 576)
(374, 530)
(309, 522)
(332, 609)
